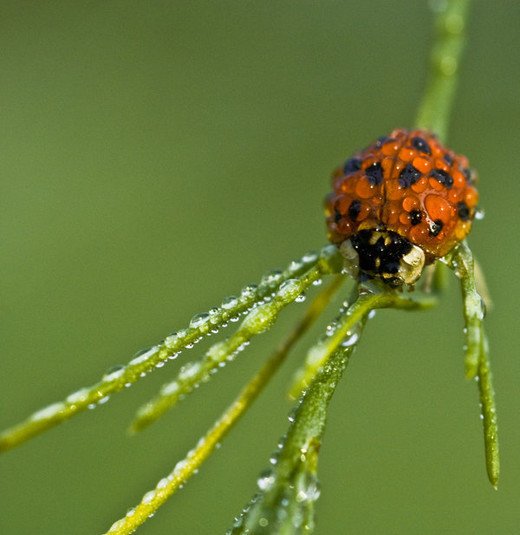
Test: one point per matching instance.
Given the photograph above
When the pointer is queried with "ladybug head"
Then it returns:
(383, 254)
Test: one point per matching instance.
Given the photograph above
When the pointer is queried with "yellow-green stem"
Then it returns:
(153, 499)
(450, 22)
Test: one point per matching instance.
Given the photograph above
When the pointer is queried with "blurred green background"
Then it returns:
(157, 156)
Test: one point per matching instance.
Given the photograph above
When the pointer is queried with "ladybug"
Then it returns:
(399, 205)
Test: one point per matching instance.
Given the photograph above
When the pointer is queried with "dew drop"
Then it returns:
(148, 497)
(272, 278)
(295, 266)
(300, 299)
(189, 370)
(199, 320)
(290, 289)
(171, 339)
(143, 355)
(48, 412)
(77, 397)
(162, 483)
(117, 525)
(249, 291)
(310, 257)
(351, 340)
(229, 302)
(113, 373)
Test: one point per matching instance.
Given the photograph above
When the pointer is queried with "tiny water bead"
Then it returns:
(199, 320)
(114, 373)
(266, 480)
(229, 302)
(48, 412)
(143, 356)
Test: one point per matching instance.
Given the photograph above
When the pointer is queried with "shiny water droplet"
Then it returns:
(290, 289)
(249, 291)
(300, 299)
(48, 412)
(199, 320)
(79, 396)
(310, 257)
(170, 388)
(143, 355)
(272, 278)
(148, 497)
(162, 483)
(295, 266)
(229, 302)
(171, 339)
(189, 370)
(114, 373)
(351, 340)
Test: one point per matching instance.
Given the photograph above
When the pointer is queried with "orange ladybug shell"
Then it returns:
(407, 183)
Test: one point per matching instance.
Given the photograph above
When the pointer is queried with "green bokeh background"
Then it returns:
(157, 156)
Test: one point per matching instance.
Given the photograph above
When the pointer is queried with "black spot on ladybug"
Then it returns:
(448, 159)
(374, 174)
(420, 144)
(337, 215)
(436, 227)
(444, 178)
(463, 211)
(415, 217)
(352, 165)
(354, 209)
(409, 175)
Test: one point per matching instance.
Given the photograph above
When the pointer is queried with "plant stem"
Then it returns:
(477, 355)
(86, 398)
(153, 499)
(289, 490)
(450, 21)
(258, 320)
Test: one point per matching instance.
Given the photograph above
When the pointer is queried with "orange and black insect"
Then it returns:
(399, 205)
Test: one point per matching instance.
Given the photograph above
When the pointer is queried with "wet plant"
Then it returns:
(288, 488)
